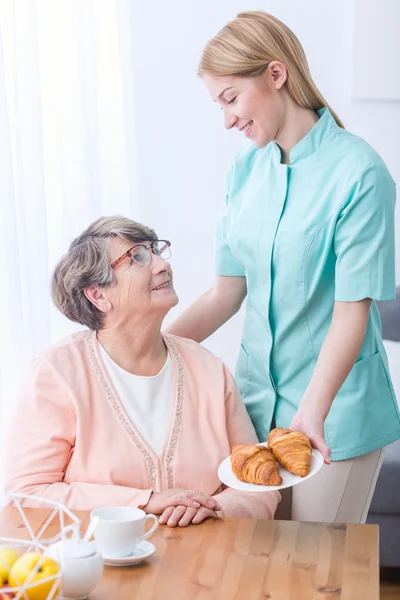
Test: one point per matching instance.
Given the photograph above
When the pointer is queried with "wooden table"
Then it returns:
(239, 559)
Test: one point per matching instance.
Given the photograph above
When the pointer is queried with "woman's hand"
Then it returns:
(192, 499)
(183, 516)
(313, 427)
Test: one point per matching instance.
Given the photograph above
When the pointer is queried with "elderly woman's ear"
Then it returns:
(96, 296)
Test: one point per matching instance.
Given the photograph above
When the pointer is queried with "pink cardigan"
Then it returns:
(71, 440)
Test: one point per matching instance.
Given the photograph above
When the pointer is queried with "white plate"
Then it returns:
(227, 476)
(142, 551)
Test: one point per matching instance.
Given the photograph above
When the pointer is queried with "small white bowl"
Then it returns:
(81, 567)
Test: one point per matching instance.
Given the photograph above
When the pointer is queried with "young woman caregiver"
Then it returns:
(307, 233)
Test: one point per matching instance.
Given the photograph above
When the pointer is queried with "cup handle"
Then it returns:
(152, 530)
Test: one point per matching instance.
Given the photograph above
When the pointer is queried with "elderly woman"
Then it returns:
(120, 414)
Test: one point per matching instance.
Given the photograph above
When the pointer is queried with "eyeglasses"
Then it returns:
(141, 254)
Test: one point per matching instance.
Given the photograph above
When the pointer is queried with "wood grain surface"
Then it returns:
(239, 559)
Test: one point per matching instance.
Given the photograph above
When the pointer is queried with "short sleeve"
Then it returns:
(225, 262)
(365, 238)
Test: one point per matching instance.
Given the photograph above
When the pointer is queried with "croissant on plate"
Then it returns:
(255, 464)
(292, 449)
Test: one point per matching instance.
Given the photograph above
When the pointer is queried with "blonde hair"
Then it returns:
(87, 263)
(246, 46)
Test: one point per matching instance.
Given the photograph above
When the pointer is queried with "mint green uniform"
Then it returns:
(306, 235)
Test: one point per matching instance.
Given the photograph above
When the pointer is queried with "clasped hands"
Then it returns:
(182, 507)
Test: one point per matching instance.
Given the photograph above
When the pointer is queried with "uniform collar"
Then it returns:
(314, 139)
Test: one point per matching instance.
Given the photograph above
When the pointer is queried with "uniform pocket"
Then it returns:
(365, 409)
(289, 265)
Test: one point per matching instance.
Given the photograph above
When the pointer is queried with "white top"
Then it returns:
(147, 400)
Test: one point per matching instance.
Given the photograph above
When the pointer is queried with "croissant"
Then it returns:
(255, 464)
(292, 449)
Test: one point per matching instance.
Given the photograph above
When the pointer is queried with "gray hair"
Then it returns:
(87, 263)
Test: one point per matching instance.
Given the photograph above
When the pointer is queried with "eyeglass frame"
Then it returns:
(150, 249)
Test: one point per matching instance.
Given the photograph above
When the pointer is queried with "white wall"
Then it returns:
(183, 149)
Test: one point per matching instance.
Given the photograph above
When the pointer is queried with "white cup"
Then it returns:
(120, 529)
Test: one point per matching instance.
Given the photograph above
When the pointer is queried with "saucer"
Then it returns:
(142, 551)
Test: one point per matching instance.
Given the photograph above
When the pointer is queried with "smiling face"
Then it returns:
(138, 291)
(254, 105)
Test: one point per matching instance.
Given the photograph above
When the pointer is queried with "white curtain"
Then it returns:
(67, 156)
